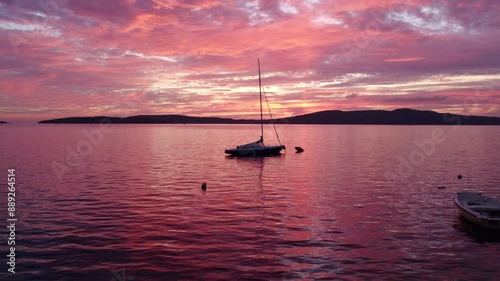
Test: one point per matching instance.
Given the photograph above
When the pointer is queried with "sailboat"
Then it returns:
(257, 148)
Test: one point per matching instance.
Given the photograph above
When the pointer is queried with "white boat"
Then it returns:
(258, 148)
(479, 209)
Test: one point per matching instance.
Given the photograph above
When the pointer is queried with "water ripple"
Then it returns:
(135, 207)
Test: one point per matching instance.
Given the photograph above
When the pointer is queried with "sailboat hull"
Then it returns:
(255, 152)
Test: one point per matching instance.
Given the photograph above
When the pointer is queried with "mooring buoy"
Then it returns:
(459, 177)
(204, 186)
(299, 149)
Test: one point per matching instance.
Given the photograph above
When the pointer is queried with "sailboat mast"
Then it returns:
(260, 95)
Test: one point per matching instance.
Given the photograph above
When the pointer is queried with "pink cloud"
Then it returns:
(403, 59)
(199, 57)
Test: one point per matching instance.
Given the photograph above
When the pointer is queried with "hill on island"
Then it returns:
(150, 119)
(403, 116)
(370, 117)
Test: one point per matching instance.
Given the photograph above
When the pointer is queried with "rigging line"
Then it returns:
(272, 120)
(260, 97)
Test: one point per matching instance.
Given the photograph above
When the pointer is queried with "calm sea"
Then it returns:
(124, 202)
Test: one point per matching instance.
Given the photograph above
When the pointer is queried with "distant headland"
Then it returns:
(3, 122)
(403, 116)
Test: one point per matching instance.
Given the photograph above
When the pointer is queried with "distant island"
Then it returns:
(403, 116)
(3, 122)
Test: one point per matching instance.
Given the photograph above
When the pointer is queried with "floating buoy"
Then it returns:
(441, 187)
(459, 177)
(204, 186)
(299, 149)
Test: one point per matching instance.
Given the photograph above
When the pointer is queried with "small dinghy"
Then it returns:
(479, 209)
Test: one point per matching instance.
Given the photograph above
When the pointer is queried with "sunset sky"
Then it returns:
(63, 58)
